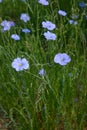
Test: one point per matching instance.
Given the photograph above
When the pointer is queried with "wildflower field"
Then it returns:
(43, 64)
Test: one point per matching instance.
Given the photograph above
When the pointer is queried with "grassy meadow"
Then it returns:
(44, 95)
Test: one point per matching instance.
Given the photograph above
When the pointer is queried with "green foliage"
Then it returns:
(57, 100)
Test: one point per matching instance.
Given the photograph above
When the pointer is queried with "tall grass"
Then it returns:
(58, 100)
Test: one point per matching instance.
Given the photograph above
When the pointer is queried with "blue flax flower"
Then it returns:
(71, 21)
(62, 58)
(20, 64)
(15, 37)
(61, 12)
(26, 30)
(50, 36)
(25, 17)
(0, 1)
(82, 4)
(49, 25)
(42, 72)
(43, 2)
(7, 25)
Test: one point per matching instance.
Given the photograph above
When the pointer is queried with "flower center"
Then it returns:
(20, 64)
(62, 59)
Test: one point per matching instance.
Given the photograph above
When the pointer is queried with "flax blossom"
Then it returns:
(62, 59)
(71, 21)
(82, 4)
(15, 37)
(20, 64)
(61, 12)
(42, 72)
(49, 25)
(6, 25)
(0, 1)
(43, 2)
(26, 30)
(25, 17)
(50, 36)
